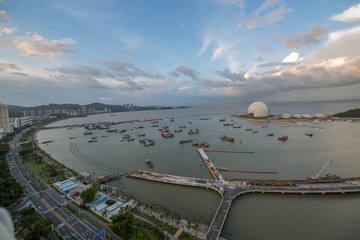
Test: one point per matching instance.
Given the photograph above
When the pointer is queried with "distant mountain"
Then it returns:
(17, 111)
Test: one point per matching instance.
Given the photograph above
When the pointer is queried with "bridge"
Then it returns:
(229, 189)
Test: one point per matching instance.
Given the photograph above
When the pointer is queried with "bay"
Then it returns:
(254, 216)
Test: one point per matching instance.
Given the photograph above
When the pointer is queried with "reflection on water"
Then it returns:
(252, 216)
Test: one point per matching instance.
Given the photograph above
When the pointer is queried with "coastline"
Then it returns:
(161, 214)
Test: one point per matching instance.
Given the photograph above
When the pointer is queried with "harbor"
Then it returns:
(229, 190)
(297, 158)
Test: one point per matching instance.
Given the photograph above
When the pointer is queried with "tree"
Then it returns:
(122, 222)
(31, 225)
(196, 228)
(89, 194)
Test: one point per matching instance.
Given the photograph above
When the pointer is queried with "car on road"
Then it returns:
(75, 236)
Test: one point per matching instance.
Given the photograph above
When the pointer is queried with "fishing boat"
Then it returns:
(178, 130)
(228, 124)
(154, 125)
(147, 142)
(149, 163)
(141, 135)
(166, 134)
(225, 138)
(193, 131)
(94, 137)
(137, 127)
(309, 134)
(270, 135)
(90, 141)
(222, 120)
(236, 126)
(185, 141)
(283, 138)
(182, 126)
(111, 130)
(87, 133)
(72, 137)
(121, 130)
(248, 129)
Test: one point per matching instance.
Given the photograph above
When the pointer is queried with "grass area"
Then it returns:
(165, 227)
(40, 169)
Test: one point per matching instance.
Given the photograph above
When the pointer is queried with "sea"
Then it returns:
(334, 148)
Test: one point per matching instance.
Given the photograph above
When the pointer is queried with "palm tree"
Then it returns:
(196, 228)
(172, 219)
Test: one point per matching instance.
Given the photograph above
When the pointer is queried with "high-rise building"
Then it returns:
(41, 113)
(84, 110)
(33, 114)
(26, 114)
(4, 119)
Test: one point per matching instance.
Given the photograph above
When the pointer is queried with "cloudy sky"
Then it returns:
(179, 52)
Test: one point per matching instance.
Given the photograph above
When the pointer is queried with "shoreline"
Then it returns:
(183, 224)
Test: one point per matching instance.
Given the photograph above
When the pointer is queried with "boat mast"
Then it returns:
(322, 169)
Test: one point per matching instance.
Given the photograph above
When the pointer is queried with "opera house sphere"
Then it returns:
(259, 109)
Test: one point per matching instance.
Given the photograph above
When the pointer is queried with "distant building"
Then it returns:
(33, 114)
(4, 119)
(66, 186)
(41, 113)
(48, 113)
(21, 122)
(26, 114)
(84, 110)
(26, 121)
(17, 123)
(286, 116)
(259, 109)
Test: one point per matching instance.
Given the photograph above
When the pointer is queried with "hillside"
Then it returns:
(352, 113)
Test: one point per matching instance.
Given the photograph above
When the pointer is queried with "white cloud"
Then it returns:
(292, 57)
(3, 14)
(350, 15)
(299, 39)
(239, 3)
(264, 15)
(38, 46)
(105, 99)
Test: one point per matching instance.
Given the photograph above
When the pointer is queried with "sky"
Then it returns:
(178, 52)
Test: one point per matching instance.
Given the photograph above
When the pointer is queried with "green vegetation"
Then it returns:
(129, 228)
(122, 223)
(43, 169)
(10, 190)
(89, 194)
(163, 226)
(186, 236)
(31, 225)
(352, 113)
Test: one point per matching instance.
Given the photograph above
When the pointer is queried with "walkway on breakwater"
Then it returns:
(229, 189)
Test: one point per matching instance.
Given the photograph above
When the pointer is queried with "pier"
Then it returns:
(229, 189)
(227, 151)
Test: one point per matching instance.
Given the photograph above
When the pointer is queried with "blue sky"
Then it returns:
(178, 52)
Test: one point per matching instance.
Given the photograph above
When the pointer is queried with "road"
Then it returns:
(48, 202)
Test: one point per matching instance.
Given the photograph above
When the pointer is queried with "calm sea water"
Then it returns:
(254, 216)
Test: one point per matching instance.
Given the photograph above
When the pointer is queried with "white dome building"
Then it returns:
(259, 109)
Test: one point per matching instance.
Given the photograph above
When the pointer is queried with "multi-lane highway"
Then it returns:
(48, 202)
